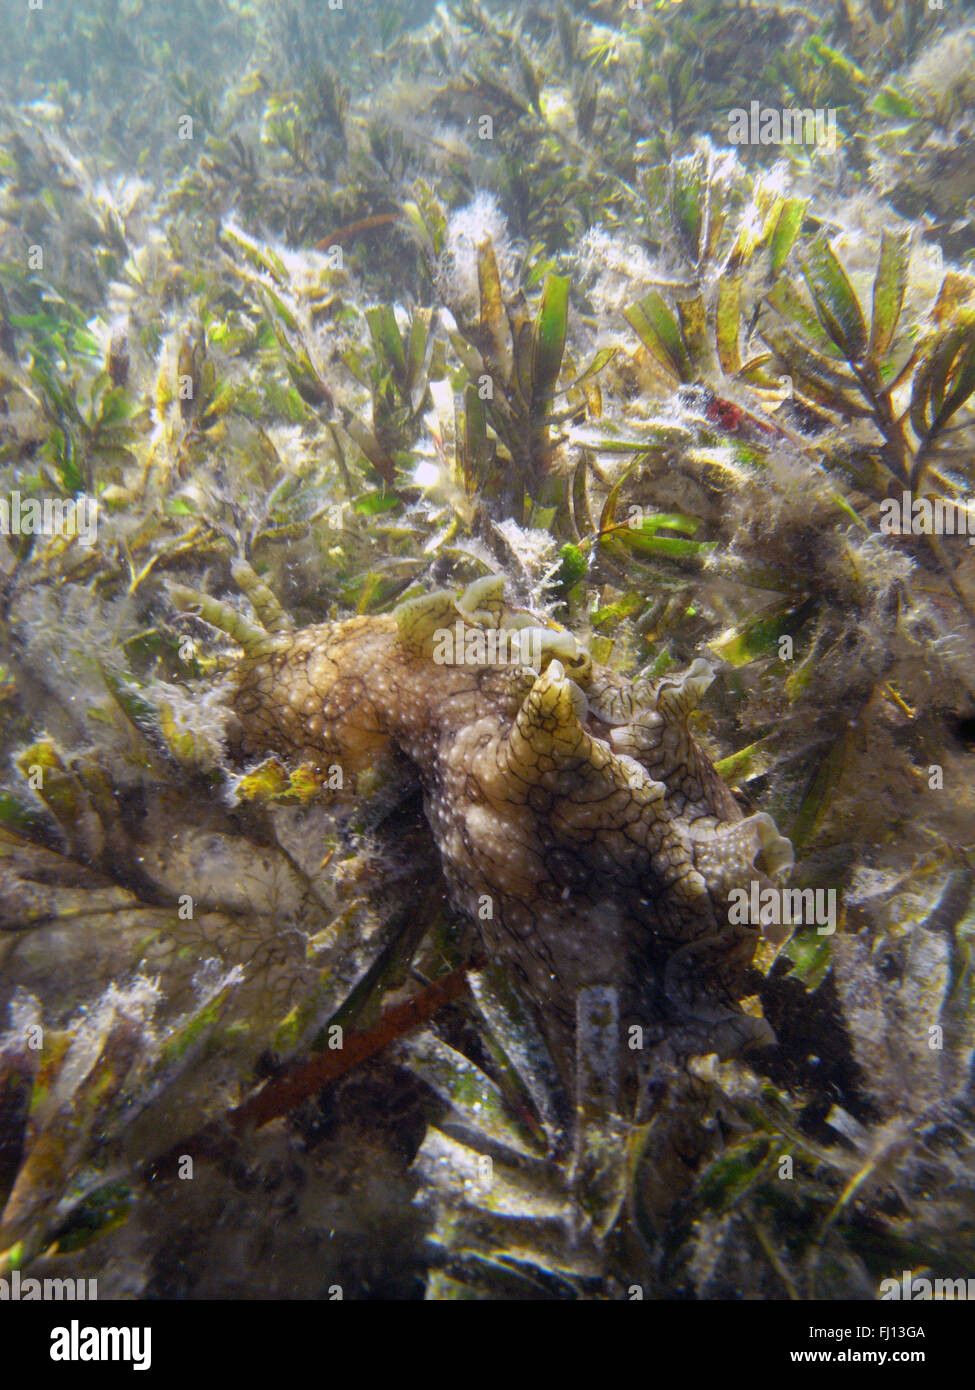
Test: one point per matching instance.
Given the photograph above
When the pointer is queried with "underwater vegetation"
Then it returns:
(487, 603)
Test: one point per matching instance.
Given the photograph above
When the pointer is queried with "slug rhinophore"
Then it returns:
(578, 822)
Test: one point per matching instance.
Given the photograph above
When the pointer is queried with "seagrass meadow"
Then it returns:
(487, 647)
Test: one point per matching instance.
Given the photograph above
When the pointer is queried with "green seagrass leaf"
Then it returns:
(835, 300)
(658, 330)
(888, 290)
(727, 318)
(786, 230)
(548, 344)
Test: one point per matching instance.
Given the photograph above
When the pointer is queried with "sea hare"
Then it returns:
(578, 822)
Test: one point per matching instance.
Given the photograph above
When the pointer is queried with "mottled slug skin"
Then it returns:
(579, 824)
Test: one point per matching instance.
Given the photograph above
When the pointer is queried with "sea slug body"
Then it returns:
(578, 822)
